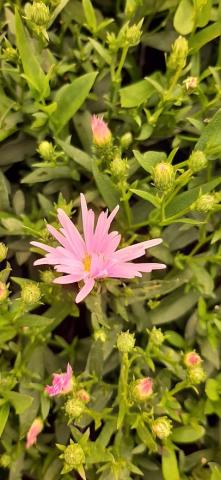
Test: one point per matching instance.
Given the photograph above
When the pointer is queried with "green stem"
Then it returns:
(123, 390)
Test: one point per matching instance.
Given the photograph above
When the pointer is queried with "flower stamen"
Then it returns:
(87, 263)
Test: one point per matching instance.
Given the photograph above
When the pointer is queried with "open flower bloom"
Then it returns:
(95, 256)
(62, 383)
(33, 432)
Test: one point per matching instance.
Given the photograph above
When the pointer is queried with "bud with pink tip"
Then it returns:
(33, 432)
(101, 133)
(142, 389)
(192, 359)
(62, 383)
(83, 395)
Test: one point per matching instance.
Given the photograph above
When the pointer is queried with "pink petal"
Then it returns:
(135, 251)
(71, 233)
(89, 284)
(67, 279)
(47, 248)
(148, 267)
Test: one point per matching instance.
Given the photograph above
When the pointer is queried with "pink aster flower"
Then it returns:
(33, 432)
(95, 256)
(101, 132)
(62, 383)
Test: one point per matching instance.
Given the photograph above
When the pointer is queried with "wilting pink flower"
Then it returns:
(142, 389)
(101, 133)
(192, 359)
(33, 432)
(95, 256)
(62, 383)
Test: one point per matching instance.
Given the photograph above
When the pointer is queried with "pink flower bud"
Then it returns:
(101, 133)
(83, 395)
(192, 359)
(33, 432)
(62, 383)
(142, 389)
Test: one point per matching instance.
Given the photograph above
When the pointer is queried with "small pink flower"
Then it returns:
(33, 432)
(192, 359)
(95, 256)
(142, 389)
(101, 132)
(62, 383)
(83, 395)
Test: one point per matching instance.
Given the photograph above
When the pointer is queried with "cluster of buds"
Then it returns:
(30, 293)
(162, 427)
(178, 56)
(197, 161)
(125, 342)
(132, 34)
(4, 292)
(164, 176)
(3, 252)
(73, 457)
(37, 13)
(141, 389)
(205, 203)
(195, 372)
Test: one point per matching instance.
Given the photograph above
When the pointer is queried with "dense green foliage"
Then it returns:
(152, 69)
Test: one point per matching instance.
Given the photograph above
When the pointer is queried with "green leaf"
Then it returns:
(79, 157)
(4, 413)
(89, 14)
(103, 52)
(184, 17)
(149, 159)
(204, 36)
(188, 434)
(210, 138)
(69, 99)
(19, 401)
(36, 79)
(62, 4)
(4, 195)
(173, 307)
(136, 94)
(106, 188)
(212, 389)
(216, 474)
(146, 196)
(203, 16)
(169, 464)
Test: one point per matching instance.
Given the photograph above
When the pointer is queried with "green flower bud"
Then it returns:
(141, 389)
(47, 276)
(100, 335)
(133, 34)
(9, 54)
(191, 83)
(30, 293)
(74, 408)
(5, 460)
(3, 252)
(46, 150)
(37, 13)
(4, 292)
(125, 342)
(126, 140)
(164, 176)
(119, 168)
(74, 455)
(178, 56)
(162, 427)
(197, 161)
(205, 204)
(156, 336)
(196, 375)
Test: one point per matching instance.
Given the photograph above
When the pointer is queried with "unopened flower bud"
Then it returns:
(162, 427)
(178, 56)
(125, 342)
(3, 252)
(191, 83)
(126, 140)
(119, 167)
(74, 408)
(196, 375)
(37, 13)
(4, 292)
(192, 359)
(142, 389)
(156, 336)
(30, 293)
(33, 432)
(46, 150)
(197, 161)
(5, 460)
(74, 455)
(47, 276)
(205, 204)
(100, 335)
(133, 34)
(100, 131)
(83, 395)
(164, 176)
(9, 54)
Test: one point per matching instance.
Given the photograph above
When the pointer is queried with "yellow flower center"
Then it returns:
(87, 263)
